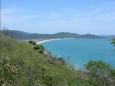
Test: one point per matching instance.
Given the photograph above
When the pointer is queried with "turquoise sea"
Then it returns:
(79, 51)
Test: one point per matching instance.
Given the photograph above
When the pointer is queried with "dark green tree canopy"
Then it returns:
(98, 72)
(113, 41)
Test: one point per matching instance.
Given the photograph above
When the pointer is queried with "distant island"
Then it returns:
(20, 35)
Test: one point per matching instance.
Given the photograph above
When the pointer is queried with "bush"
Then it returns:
(9, 71)
(40, 48)
(90, 83)
(32, 42)
(98, 71)
(113, 41)
(37, 47)
(113, 72)
(48, 80)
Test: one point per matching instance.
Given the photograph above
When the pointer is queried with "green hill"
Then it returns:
(21, 65)
(20, 35)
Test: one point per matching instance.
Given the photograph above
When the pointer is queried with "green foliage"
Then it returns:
(32, 42)
(9, 71)
(98, 71)
(21, 65)
(90, 83)
(40, 48)
(113, 41)
(113, 72)
(47, 80)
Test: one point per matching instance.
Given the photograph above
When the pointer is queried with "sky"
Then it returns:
(53, 16)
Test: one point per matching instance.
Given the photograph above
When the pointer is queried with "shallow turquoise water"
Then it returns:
(80, 51)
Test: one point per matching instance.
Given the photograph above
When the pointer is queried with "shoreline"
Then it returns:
(40, 42)
(46, 40)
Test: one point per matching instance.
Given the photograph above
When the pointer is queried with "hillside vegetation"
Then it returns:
(22, 65)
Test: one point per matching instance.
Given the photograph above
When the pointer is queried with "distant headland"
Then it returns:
(20, 35)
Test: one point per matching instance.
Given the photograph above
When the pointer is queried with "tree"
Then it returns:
(99, 72)
(32, 42)
(40, 48)
(113, 41)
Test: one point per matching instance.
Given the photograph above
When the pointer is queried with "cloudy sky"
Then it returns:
(52, 16)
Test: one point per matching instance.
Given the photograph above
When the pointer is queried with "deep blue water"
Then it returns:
(80, 51)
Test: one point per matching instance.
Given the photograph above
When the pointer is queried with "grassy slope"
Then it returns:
(21, 65)
(34, 68)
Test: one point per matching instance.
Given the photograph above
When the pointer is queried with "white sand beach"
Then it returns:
(47, 40)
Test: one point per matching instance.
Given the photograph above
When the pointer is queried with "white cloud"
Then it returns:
(54, 15)
(96, 18)
(107, 16)
(10, 16)
(6, 15)
(7, 11)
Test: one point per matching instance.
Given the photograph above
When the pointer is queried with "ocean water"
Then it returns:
(79, 51)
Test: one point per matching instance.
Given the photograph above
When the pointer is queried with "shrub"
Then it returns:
(37, 47)
(98, 71)
(32, 42)
(40, 48)
(113, 41)
(9, 71)
(48, 80)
